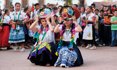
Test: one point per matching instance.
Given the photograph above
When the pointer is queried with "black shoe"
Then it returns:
(9, 48)
(0, 49)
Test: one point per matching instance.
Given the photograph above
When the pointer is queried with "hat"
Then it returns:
(68, 12)
(76, 12)
(44, 12)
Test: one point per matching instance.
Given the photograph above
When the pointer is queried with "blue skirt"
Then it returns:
(79, 60)
(17, 35)
(66, 56)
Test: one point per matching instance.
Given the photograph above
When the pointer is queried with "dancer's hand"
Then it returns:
(40, 42)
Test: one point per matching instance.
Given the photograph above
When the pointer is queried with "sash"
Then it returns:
(37, 37)
(16, 20)
(18, 16)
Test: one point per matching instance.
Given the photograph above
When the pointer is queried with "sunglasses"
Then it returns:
(68, 19)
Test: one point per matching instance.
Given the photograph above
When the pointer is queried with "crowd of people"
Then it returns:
(55, 32)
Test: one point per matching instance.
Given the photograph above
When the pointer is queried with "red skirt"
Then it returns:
(4, 34)
(1, 32)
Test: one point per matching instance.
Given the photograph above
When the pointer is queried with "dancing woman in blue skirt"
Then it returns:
(68, 53)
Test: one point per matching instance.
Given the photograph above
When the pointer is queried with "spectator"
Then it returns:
(114, 29)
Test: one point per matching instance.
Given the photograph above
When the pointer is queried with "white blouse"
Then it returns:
(6, 19)
(90, 16)
(18, 15)
(67, 35)
(36, 12)
(49, 37)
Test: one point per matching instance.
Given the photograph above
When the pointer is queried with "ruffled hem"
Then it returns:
(17, 41)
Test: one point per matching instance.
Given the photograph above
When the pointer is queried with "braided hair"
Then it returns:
(64, 28)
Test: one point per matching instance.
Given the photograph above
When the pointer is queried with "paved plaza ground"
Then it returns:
(104, 58)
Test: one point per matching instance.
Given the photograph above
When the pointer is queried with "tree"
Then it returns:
(41, 2)
(68, 2)
(24, 3)
(82, 2)
(8, 4)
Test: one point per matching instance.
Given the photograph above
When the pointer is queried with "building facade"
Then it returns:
(8, 3)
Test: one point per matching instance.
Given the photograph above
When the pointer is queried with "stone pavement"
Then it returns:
(104, 58)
